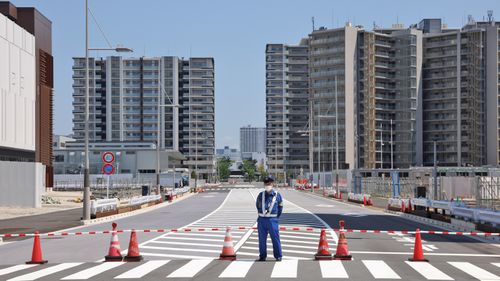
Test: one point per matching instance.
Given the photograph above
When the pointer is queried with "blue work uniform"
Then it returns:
(269, 207)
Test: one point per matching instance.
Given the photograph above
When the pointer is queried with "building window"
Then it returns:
(59, 158)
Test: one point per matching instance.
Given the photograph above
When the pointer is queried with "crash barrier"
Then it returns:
(228, 251)
(143, 199)
(455, 209)
(332, 193)
(365, 199)
(103, 205)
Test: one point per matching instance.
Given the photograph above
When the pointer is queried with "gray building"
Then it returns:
(252, 139)
(124, 98)
(287, 86)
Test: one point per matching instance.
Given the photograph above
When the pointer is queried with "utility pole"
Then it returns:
(392, 150)
(434, 172)
(319, 145)
(336, 139)
(86, 175)
(381, 149)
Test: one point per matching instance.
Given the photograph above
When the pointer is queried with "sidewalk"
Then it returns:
(44, 222)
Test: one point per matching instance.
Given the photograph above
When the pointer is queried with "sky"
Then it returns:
(234, 32)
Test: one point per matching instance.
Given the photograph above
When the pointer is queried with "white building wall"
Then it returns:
(17, 86)
(22, 184)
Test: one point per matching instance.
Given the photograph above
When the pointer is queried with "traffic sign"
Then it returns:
(108, 157)
(108, 169)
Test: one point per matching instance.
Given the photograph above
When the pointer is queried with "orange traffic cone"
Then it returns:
(342, 252)
(133, 249)
(114, 253)
(418, 253)
(228, 249)
(36, 255)
(323, 248)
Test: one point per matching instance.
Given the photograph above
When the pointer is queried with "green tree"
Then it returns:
(262, 171)
(249, 169)
(223, 165)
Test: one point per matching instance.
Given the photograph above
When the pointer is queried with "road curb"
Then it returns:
(441, 224)
(135, 212)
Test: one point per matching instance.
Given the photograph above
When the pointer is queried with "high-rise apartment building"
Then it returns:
(461, 91)
(287, 86)
(390, 93)
(125, 94)
(252, 139)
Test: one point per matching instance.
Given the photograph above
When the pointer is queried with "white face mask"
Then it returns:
(269, 188)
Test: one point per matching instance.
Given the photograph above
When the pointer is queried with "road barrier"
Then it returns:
(103, 205)
(307, 229)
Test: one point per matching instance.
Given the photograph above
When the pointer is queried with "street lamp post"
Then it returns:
(434, 172)
(86, 172)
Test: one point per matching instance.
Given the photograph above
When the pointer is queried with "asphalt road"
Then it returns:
(193, 256)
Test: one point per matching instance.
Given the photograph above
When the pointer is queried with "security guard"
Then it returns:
(269, 206)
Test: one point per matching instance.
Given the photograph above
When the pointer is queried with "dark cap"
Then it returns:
(268, 180)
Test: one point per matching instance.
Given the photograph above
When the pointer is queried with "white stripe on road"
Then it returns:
(179, 249)
(290, 241)
(186, 244)
(184, 257)
(190, 239)
(93, 271)
(46, 271)
(284, 250)
(474, 271)
(203, 235)
(332, 269)
(287, 257)
(141, 270)
(299, 237)
(269, 244)
(237, 269)
(15, 268)
(380, 270)
(190, 269)
(285, 269)
(428, 271)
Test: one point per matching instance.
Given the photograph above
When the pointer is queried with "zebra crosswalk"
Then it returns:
(211, 269)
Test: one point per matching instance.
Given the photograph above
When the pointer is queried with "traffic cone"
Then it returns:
(418, 253)
(408, 210)
(114, 253)
(364, 200)
(402, 206)
(340, 195)
(228, 249)
(323, 248)
(342, 252)
(133, 249)
(36, 255)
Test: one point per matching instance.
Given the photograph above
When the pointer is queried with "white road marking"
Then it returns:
(285, 269)
(287, 257)
(428, 271)
(333, 269)
(15, 268)
(269, 244)
(186, 244)
(180, 249)
(325, 206)
(284, 250)
(190, 269)
(380, 270)
(93, 271)
(237, 269)
(427, 254)
(46, 271)
(141, 270)
(474, 271)
(184, 257)
(299, 237)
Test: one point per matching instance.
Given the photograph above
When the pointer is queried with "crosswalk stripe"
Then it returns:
(203, 235)
(15, 268)
(190, 269)
(180, 249)
(474, 271)
(333, 269)
(285, 269)
(289, 241)
(287, 257)
(193, 239)
(428, 271)
(142, 269)
(93, 271)
(284, 250)
(269, 244)
(46, 271)
(176, 256)
(299, 237)
(380, 270)
(186, 244)
(237, 269)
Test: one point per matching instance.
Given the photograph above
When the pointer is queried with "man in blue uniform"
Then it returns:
(269, 206)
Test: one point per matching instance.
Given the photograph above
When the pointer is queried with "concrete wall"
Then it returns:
(17, 86)
(22, 184)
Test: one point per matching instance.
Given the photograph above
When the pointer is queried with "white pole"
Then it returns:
(86, 172)
(336, 138)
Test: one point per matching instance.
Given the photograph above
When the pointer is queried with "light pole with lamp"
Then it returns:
(86, 172)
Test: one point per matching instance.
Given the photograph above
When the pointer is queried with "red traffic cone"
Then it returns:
(323, 248)
(36, 255)
(364, 200)
(228, 249)
(402, 206)
(342, 252)
(418, 253)
(114, 253)
(340, 195)
(133, 249)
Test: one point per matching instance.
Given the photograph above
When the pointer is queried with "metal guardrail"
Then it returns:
(103, 205)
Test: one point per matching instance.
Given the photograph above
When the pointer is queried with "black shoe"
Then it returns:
(261, 259)
(278, 259)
